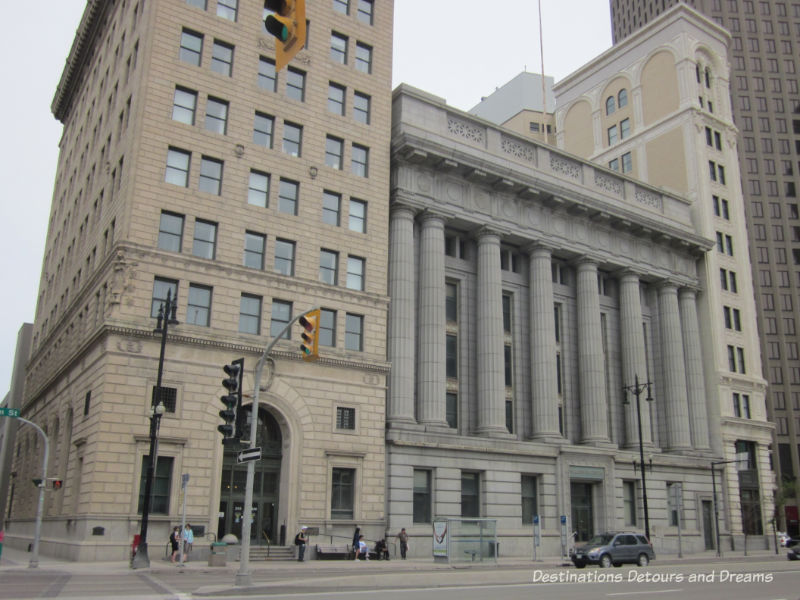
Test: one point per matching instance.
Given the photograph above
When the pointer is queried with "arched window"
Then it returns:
(708, 77)
(622, 98)
(610, 108)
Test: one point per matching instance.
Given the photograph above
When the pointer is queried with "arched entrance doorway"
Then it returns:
(266, 483)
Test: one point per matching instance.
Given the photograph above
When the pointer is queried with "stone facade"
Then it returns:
(148, 85)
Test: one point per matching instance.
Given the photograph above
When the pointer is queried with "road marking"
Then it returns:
(646, 592)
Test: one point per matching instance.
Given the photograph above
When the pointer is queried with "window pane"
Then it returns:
(353, 332)
(183, 106)
(295, 84)
(170, 232)
(361, 105)
(266, 74)
(336, 98)
(330, 208)
(422, 496)
(262, 129)
(205, 239)
(160, 491)
(287, 197)
(470, 506)
(355, 273)
(284, 257)
(254, 250)
(198, 309)
(258, 190)
(281, 315)
(250, 314)
(333, 152)
(227, 9)
(210, 179)
(222, 58)
(359, 160)
(363, 58)
(216, 115)
(365, 11)
(191, 47)
(177, 172)
(328, 265)
(339, 48)
(162, 287)
(342, 493)
(358, 216)
(529, 499)
(327, 328)
(292, 138)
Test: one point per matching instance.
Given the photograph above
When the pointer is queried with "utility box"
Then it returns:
(219, 554)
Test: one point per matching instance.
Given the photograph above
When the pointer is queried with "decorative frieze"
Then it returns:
(608, 183)
(565, 166)
(468, 131)
(648, 198)
(518, 150)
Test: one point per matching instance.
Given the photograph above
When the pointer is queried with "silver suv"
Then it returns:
(608, 549)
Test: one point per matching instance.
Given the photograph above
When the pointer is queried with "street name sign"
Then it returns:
(6, 411)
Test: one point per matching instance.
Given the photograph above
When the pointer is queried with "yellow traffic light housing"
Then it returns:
(288, 25)
(310, 335)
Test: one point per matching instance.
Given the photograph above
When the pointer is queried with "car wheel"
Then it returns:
(643, 560)
(580, 565)
(605, 561)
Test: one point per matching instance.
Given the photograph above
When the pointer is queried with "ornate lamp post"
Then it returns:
(637, 389)
(166, 317)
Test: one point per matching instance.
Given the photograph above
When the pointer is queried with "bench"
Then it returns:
(325, 551)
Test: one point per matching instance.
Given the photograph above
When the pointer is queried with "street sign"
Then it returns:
(6, 411)
(249, 454)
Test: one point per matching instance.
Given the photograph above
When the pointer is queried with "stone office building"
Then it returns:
(188, 165)
(528, 289)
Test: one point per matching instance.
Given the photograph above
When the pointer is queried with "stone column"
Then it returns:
(489, 342)
(544, 389)
(401, 315)
(633, 357)
(695, 382)
(676, 408)
(431, 384)
(591, 367)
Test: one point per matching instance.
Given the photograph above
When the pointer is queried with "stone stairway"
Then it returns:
(262, 553)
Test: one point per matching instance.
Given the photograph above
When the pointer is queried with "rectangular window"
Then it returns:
(281, 315)
(168, 397)
(613, 164)
(170, 232)
(339, 48)
(530, 500)
(358, 216)
(360, 160)
(160, 491)
(262, 129)
(612, 135)
(267, 79)
(327, 328)
(336, 96)
(161, 288)
(629, 502)
(227, 9)
(451, 410)
(284, 257)
(258, 189)
(184, 104)
(205, 239)
(451, 302)
(295, 84)
(222, 58)
(216, 115)
(354, 332)
(177, 172)
(345, 418)
(624, 128)
(627, 162)
(342, 6)
(361, 107)
(365, 11)
(250, 314)
(363, 58)
(334, 149)
(343, 484)
(422, 496)
(210, 180)
(191, 47)
(292, 138)
(198, 309)
(330, 207)
(288, 192)
(328, 266)
(470, 495)
(451, 356)
(254, 245)
(355, 273)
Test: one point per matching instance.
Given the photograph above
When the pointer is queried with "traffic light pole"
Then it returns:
(34, 562)
(243, 577)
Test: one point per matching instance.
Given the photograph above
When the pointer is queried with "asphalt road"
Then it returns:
(760, 578)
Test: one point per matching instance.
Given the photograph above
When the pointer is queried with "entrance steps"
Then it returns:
(271, 553)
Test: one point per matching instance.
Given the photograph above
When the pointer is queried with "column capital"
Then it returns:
(432, 215)
(689, 291)
(486, 231)
(665, 286)
(629, 273)
(400, 207)
(585, 261)
(539, 248)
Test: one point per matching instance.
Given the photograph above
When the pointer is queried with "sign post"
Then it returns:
(537, 534)
(564, 536)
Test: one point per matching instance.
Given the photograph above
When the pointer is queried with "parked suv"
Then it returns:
(608, 549)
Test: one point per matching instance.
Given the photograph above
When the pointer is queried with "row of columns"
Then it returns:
(683, 385)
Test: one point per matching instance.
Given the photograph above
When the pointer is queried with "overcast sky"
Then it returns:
(471, 52)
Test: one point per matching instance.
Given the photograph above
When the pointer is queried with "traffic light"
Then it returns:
(310, 345)
(56, 483)
(231, 401)
(288, 25)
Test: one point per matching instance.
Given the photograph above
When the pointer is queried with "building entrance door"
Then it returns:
(708, 524)
(582, 510)
(266, 484)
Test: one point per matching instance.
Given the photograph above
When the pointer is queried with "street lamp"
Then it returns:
(742, 458)
(637, 389)
(166, 317)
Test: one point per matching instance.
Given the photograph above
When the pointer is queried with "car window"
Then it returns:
(630, 540)
(601, 540)
(641, 539)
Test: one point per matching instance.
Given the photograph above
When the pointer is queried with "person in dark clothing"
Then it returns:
(356, 537)
(382, 550)
(300, 542)
(175, 540)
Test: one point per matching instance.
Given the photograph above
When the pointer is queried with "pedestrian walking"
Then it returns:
(356, 537)
(362, 548)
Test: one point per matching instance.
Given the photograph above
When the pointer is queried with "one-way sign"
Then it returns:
(249, 454)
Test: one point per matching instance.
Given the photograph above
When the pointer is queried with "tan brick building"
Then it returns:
(187, 165)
